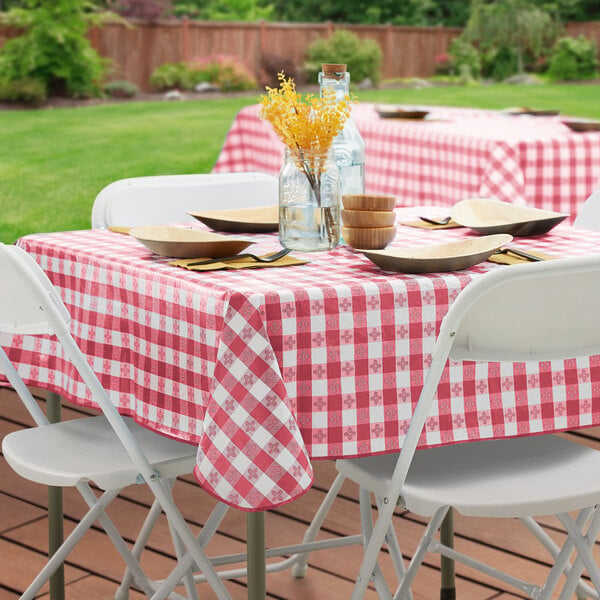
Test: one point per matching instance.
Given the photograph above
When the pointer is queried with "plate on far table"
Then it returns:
(532, 112)
(583, 125)
(438, 258)
(398, 112)
(180, 242)
(486, 216)
(256, 219)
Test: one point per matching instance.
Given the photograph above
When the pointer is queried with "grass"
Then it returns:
(53, 162)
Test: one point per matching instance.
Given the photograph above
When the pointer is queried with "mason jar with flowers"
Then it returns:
(309, 191)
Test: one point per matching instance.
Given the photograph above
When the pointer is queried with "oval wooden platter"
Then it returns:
(180, 242)
(438, 258)
(486, 216)
(255, 219)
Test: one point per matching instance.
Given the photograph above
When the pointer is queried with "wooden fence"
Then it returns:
(264, 47)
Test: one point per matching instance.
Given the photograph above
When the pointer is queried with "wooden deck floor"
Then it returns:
(94, 568)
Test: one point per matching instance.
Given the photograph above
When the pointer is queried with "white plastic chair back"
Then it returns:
(589, 214)
(162, 199)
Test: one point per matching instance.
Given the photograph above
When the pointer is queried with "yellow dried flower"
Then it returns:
(307, 127)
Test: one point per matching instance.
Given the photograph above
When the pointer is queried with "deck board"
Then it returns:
(94, 568)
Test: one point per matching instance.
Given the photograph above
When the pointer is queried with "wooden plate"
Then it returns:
(181, 242)
(532, 112)
(440, 257)
(486, 216)
(397, 112)
(256, 219)
(583, 125)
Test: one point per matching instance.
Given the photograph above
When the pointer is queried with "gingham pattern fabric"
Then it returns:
(453, 155)
(267, 368)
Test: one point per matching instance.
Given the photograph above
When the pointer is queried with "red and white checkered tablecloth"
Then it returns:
(452, 155)
(267, 368)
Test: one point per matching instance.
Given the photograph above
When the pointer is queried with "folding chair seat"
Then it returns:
(534, 312)
(108, 450)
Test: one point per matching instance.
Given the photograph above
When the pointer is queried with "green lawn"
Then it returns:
(53, 162)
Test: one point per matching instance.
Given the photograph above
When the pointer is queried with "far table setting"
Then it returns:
(435, 155)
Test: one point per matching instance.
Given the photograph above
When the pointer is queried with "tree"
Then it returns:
(141, 9)
(53, 51)
(507, 27)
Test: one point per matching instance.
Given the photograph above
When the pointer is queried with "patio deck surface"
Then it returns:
(94, 569)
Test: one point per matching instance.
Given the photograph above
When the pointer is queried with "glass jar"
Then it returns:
(348, 146)
(309, 202)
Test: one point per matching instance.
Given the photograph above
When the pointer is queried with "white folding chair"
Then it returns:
(109, 450)
(589, 214)
(158, 199)
(533, 312)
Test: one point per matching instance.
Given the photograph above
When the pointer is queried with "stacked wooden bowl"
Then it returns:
(368, 220)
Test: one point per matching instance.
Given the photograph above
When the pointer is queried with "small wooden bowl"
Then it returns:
(368, 202)
(368, 238)
(368, 218)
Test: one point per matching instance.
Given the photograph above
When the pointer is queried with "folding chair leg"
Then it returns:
(188, 578)
(395, 552)
(67, 546)
(584, 556)
(420, 552)
(577, 586)
(155, 511)
(366, 519)
(299, 568)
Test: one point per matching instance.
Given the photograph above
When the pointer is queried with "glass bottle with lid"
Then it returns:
(348, 146)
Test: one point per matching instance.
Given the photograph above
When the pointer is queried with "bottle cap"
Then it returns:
(333, 71)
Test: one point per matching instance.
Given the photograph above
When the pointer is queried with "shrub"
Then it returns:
(30, 91)
(465, 57)
(53, 48)
(444, 64)
(121, 89)
(500, 63)
(225, 72)
(362, 57)
(169, 76)
(573, 59)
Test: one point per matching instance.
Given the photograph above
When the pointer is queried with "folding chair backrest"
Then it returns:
(536, 312)
(29, 304)
(26, 290)
(162, 199)
(589, 214)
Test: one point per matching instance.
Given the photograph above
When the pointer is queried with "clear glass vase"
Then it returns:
(348, 147)
(309, 201)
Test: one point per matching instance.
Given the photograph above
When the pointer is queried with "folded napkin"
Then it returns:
(119, 229)
(508, 258)
(426, 225)
(237, 263)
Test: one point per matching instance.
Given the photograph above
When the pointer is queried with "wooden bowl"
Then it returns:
(368, 218)
(368, 202)
(368, 238)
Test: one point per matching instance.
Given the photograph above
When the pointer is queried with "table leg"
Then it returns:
(448, 585)
(55, 509)
(255, 545)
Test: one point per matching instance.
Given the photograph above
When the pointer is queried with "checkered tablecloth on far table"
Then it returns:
(267, 368)
(452, 155)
